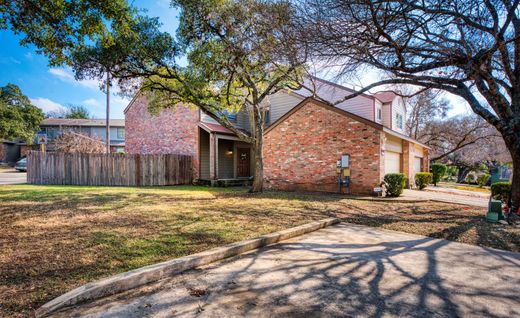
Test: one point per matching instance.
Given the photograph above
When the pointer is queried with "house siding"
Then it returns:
(204, 154)
(243, 119)
(225, 161)
(301, 152)
(398, 108)
(387, 115)
(361, 105)
(171, 132)
(280, 103)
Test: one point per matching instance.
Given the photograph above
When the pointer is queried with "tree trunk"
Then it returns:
(514, 149)
(258, 182)
(462, 174)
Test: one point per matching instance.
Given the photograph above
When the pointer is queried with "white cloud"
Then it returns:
(46, 104)
(91, 102)
(62, 74)
(66, 75)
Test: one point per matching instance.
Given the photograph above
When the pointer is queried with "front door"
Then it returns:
(244, 163)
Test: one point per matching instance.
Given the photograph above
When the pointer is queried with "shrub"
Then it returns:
(422, 179)
(394, 183)
(438, 170)
(501, 191)
(470, 178)
(483, 179)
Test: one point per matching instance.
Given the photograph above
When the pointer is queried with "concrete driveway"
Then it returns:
(341, 271)
(11, 176)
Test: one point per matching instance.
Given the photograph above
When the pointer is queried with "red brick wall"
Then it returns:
(407, 163)
(172, 131)
(24, 149)
(301, 152)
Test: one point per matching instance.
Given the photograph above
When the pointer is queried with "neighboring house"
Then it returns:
(11, 151)
(501, 173)
(304, 139)
(90, 127)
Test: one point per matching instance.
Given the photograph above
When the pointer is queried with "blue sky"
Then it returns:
(53, 88)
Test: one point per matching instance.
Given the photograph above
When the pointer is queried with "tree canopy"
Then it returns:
(19, 119)
(71, 112)
(56, 26)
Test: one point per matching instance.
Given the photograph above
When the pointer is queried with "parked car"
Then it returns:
(21, 165)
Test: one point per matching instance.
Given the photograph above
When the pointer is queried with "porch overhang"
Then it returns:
(218, 154)
(218, 129)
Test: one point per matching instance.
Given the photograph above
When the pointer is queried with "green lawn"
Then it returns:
(56, 238)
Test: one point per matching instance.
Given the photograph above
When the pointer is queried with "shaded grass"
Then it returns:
(55, 238)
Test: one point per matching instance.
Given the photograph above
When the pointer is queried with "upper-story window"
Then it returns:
(120, 133)
(379, 114)
(399, 121)
(267, 118)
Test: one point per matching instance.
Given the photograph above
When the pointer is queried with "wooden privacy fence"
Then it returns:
(108, 169)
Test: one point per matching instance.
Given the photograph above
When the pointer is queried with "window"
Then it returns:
(379, 114)
(232, 116)
(120, 133)
(267, 118)
(399, 121)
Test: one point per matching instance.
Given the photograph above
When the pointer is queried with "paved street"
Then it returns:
(447, 197)
(340, 271)
(11, 176)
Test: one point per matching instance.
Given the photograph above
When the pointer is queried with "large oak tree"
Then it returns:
(470, 48)
(238, 54)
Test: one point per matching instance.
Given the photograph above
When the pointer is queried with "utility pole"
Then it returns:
(108, 112)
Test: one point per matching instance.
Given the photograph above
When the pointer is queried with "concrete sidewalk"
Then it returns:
(11, 176)
(340, 271)
(446, 197)
(468, 193)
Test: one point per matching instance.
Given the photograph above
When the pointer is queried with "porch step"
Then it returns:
(226, 182)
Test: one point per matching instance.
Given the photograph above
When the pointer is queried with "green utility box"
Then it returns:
(494, 211)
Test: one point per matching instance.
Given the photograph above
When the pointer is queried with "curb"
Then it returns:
(144, 275)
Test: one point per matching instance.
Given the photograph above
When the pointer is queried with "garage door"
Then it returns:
(417, 165)
(392, 162)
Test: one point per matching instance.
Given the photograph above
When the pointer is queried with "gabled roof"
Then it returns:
(332, 92)
(328, 107)
(386, 96)
(132, 101)
(343, 113)
(82, 122)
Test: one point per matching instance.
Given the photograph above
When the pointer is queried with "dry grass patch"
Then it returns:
(55, 238)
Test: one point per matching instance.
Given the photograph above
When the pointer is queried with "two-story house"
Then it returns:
(95, 128)
(303, 140)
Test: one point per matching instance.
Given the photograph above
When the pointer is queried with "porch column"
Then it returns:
(408, 161)
(426, 160)
(213, 157)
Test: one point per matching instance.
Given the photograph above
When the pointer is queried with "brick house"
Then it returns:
(303, 141)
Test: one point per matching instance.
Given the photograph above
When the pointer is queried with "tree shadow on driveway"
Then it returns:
(341, 271)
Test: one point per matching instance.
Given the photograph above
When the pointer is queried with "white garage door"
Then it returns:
(392, 162)
(417, 165)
